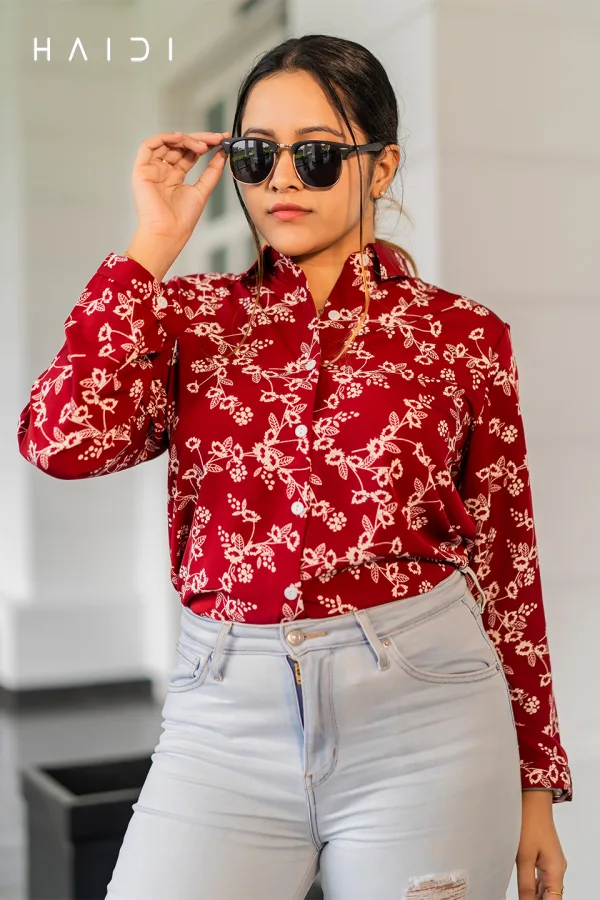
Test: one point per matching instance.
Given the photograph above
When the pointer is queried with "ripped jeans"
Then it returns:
(378, 747)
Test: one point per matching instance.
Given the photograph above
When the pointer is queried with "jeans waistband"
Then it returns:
(302, 636)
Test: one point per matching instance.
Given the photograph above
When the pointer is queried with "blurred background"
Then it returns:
(499, 121)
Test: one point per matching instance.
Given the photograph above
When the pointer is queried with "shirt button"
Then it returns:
(291, 592)
(161, 302)
(295, 637)
(301, 430)
(310, 364)
(298, 507)
(334, 314)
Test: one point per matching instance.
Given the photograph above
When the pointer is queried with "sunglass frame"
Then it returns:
(345, 150)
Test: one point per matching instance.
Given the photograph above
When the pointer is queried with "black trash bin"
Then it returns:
(77, 816)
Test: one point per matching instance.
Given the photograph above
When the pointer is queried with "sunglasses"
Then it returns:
(318, 164)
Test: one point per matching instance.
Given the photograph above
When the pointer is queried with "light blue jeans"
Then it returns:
(378, 746)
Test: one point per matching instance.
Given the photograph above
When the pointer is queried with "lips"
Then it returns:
(287, 211)
(283, 206)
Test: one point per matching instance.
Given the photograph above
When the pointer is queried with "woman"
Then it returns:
(361, 682)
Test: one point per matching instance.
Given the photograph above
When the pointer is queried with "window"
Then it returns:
(215, 121)
(222, 242)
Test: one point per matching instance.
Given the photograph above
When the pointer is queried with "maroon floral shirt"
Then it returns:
(298, 488)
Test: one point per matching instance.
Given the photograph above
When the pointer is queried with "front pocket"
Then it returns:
(447, 646)
(190, 666)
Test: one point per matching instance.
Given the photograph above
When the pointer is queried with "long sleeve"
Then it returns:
(495, 488)
(101, 405)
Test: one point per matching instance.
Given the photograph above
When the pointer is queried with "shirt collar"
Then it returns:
(387, 264)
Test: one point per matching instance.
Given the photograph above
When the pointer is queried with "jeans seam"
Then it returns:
(483, 630)
(423, 617)
(441, 678)
(433, 678)
(188, 654)
(198, 678)
(312, 808)
(334, 726)
(477, 616)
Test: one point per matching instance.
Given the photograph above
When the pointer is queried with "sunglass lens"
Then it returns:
(318, 164)
(251, 160)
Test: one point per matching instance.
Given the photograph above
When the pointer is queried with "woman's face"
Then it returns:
(280, 107)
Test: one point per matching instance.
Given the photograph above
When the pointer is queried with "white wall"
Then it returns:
(85, 594)
(84, 591)
(499, 100)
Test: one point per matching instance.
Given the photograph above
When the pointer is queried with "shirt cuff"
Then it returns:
(558, 794)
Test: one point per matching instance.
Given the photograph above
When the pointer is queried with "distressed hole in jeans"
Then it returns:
(438, 887)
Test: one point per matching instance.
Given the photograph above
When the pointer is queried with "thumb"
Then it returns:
(210, 176)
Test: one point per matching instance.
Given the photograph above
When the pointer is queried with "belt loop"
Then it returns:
(217, 654)
(378, 648)
(465, 569)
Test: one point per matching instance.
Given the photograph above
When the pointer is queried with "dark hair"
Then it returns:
(359, 89)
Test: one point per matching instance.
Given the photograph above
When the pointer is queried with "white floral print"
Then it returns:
(301, 488)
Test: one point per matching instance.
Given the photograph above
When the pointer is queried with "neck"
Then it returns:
(323, 268)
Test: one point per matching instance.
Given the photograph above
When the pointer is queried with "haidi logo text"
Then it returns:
(42, 51)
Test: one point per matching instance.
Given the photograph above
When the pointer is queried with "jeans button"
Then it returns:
(295, 637)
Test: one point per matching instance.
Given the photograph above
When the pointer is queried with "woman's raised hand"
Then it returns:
(166, 207)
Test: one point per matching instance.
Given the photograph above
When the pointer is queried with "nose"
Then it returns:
(283, 173)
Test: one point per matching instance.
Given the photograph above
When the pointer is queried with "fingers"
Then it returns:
(551, 866)
(532, 886)
(195, 147)
(551, 882)
(526, 879)
(173, 146)
(203, 135)
(187, 152)
(175, 138)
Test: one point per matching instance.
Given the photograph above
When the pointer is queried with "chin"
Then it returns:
(290, 244)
